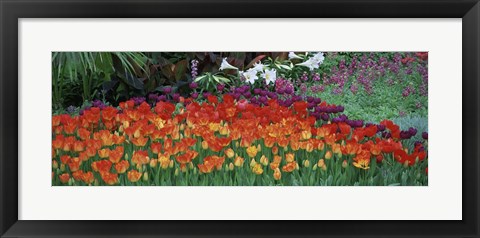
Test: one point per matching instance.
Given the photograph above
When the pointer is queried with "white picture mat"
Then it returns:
(440, 200)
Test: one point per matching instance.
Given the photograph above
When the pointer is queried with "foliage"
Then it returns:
(88, 71)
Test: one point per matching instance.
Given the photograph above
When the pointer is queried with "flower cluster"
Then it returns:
(313, 62)
(223, 141)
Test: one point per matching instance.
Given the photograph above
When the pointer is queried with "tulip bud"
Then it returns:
(231, 166)
(70, 181)
(183, 169)
(139, 168)
(315, 166)
(229, 153)
(296, 166)
(170, 165)
(275, 150)
(96, 183)
(62, 167)
(328, 155)
(176, 172)
(321, 146)
(321, 163)
(145, 176)
(204, 145)
(324, 167)
(277, 175)
(153, 163)
(190, 165)
(289, 157)
(126, 156)
(237, 144)
(264, 160)
(239, 161)
(405, 164)
(54, 164)
(259, 147)
(194, 170)
(344, 164)
(252, 163)
(306, 163)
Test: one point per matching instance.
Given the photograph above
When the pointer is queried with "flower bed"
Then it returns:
(227, 140)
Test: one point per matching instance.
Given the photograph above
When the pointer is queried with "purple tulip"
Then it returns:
(325, 117)
(194, 95)
(425, 135)
(162, 98)
(167, 90)
(412, 131)
(176, 97)
(381, 127)
(193, 85)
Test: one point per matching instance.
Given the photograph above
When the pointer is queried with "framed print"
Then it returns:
(239, 118)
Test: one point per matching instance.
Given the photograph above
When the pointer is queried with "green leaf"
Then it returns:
(132, 81)
(180, 69)
(200, 78)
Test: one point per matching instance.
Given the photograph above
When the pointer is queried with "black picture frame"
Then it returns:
(12, 10)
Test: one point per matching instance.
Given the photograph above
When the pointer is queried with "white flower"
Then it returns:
(226, 65)
(310, 64)
(258, 67)
(250, 76)
(313, 62)
(318, 58)
(292, 55)
(270, 75)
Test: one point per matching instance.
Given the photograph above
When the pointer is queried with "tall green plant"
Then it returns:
(91, 70)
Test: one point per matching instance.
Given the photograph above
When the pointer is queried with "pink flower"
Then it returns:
(242, 104)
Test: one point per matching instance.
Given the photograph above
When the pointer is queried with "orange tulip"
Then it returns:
(104, 153)
(64, 159)
(122, 166)
(328, 155)
(289, 167)
(116, 155)
(64, 178)
(109, 178)
(134, 176)
(83, 133)
(88, 177)
(140, 141)
(238, 161)
(74, 164)
(275, 150)
(101, 166)
(77, 175)
(277, 175)
(290, 157)
(91, 151)
(252, 151)
(257, 169)
(229, 153)
(156, 148)
(140, 157)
